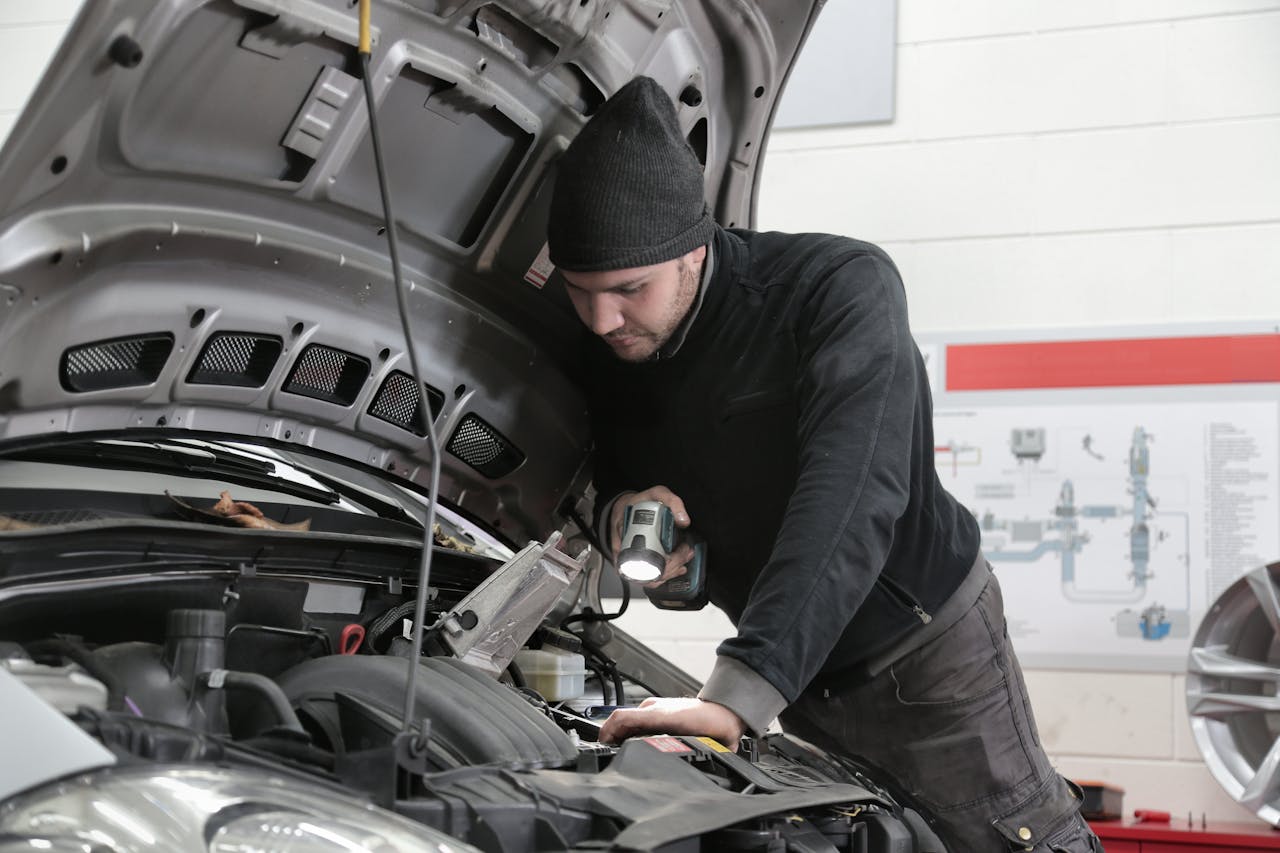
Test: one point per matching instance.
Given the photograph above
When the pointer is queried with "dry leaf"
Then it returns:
(451, 542)
(236, 514)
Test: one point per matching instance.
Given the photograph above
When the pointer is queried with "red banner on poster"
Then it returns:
(1125, 362)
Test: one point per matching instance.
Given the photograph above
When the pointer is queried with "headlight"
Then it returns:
(209, 809)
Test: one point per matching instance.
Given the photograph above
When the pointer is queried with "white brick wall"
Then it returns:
(1052, 164)
(29, 34)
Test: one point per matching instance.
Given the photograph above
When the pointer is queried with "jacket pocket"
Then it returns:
(1051, 822)
(894, 590)
(959, 666)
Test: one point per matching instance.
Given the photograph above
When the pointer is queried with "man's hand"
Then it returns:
(680, 556)
(674, 717)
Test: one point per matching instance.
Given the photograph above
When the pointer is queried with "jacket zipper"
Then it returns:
(903, 597)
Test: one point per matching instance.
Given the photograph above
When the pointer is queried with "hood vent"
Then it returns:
(236, 358)
(482, 447)
(399, 402)
(115, 363)
(328, 374)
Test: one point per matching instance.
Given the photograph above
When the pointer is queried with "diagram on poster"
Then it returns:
(1113, 526)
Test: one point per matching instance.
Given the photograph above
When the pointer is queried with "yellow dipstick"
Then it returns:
(366, 38)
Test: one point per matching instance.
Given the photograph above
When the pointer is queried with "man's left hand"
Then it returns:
(674, 717)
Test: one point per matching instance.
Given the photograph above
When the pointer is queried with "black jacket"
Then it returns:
(795, 422)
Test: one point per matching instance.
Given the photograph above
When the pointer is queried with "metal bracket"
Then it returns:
(394, 758)
(411, 749)
(319, 112)
(490, 625)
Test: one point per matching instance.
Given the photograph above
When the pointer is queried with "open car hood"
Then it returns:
(191, 236)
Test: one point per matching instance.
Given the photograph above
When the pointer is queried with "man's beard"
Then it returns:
(645, 343)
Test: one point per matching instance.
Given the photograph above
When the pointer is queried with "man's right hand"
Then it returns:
(680, 556)
(675, 716)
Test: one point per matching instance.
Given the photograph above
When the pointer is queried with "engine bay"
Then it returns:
(306, 674)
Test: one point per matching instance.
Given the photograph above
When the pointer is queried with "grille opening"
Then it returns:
(485, 449)
(328, 374)
(115, 363)
(240, 359)
(47, 517)
(399, 402)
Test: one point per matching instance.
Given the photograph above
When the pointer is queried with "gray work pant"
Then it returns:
(951, 724)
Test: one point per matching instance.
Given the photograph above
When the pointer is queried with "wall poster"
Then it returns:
(1121, 481)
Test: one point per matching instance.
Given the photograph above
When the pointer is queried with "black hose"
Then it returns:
(79, 654)
(618, 688)
(601, 664)
(605, 698)
(260, 684)
(637, 682)
(517, 676)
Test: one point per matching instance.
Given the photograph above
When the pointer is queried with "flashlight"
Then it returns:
(648, 536)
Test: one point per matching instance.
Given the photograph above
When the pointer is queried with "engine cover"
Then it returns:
(473, 718)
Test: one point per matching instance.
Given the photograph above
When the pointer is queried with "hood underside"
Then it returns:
(191, 236)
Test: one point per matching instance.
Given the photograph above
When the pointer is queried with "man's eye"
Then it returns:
(630, 291)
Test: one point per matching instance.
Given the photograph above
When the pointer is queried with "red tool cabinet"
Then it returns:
(1177, 837)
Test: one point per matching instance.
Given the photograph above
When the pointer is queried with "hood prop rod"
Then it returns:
(424, 406)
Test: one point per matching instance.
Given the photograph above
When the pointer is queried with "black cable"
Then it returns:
(589, 615)
(387, 620)
(600, 663)
(637, 682)
(619, 688)
(605, 698)
(589, 532)
(602, 666)
(393, 245)
(535, 698)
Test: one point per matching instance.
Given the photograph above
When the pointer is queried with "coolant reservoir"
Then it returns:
(555, 673)
(64, 687)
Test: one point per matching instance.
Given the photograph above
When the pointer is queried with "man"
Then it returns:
(767, 389)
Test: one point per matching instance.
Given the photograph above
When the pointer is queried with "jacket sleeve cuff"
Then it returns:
(743, 691)
(602, 522)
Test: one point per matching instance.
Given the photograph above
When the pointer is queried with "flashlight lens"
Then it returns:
(640, 571)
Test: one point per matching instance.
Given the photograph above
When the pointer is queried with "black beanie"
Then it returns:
(628, 191)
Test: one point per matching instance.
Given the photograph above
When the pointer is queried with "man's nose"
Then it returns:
(605, 316)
